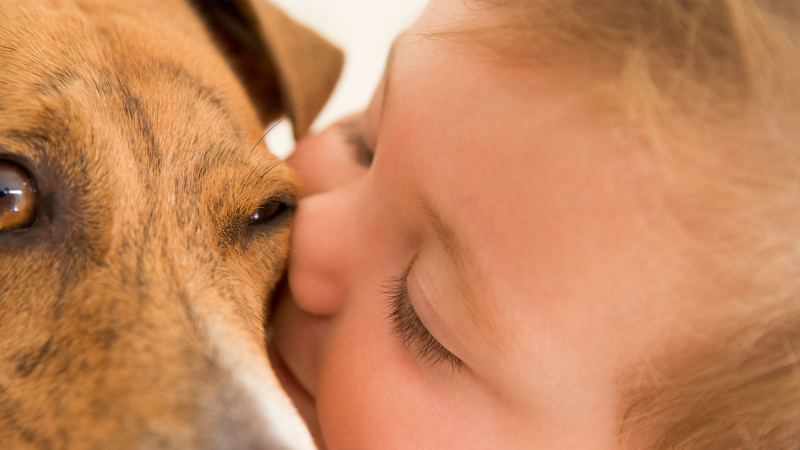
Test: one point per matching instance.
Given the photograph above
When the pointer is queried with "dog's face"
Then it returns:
(142, 228)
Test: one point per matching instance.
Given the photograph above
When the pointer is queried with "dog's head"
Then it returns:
(142, 224)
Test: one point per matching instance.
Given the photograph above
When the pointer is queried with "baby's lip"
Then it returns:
(300, 394)
(286, 376)
(283, 294)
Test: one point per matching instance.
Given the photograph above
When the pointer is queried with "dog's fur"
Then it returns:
(132, 312)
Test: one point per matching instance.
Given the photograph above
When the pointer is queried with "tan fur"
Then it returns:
(132, 313)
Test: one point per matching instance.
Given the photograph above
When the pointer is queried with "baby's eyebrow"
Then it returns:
(447, 236)
(469, 279)
(443, 231)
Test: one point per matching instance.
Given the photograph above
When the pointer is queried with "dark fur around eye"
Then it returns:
(410, 329)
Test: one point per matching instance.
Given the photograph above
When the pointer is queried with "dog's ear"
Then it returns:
(285, 67)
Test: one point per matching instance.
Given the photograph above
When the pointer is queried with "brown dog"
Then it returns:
(142, 228)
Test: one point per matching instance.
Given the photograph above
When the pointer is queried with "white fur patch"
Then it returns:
(283, 426)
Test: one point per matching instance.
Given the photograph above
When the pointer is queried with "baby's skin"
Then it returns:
(476, 261)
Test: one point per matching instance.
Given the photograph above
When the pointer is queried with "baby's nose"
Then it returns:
(322, 251)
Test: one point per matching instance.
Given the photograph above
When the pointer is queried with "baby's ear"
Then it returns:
(285, 67)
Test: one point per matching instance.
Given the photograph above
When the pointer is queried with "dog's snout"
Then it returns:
(241, 433)
(236, 423)
(188, 381)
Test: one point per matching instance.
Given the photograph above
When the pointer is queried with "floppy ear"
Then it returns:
(285, 67)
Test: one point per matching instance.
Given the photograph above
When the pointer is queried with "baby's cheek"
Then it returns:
(349, 392)
(372, 394)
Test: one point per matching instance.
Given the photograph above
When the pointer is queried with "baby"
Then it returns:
(558, 225)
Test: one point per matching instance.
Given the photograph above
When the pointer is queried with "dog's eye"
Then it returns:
(17, 198)
(268, 212)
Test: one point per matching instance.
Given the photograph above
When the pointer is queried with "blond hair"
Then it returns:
(712, 89)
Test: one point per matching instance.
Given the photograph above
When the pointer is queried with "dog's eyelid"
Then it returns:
(272, 208)
(22, 159)
(289, 200)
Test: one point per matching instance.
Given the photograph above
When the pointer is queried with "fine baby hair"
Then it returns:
(708, 90)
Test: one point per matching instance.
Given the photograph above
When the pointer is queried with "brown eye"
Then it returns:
(268, 212)
(17, 198)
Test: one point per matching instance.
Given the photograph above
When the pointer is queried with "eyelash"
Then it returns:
(410, 329)
(354, 137)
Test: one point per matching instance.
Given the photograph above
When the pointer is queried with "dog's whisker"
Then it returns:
(270, 129)
(294, 113)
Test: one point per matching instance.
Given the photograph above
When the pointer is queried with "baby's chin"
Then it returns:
(301, 398)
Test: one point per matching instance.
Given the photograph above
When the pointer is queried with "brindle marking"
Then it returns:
(132, 312)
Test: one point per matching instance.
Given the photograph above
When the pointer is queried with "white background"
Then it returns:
(364, 29)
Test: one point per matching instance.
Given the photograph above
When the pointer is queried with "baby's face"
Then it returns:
(487, 277)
